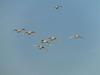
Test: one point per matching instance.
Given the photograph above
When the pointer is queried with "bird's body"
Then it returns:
(77, 36)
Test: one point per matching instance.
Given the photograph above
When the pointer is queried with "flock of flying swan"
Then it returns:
(44, 43)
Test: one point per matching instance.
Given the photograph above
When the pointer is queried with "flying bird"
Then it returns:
(45, 42)
(57, 7)
(76, 36)
(41, 47)
(52, 38)
(48, 41)
(30, 33)
(19, 30)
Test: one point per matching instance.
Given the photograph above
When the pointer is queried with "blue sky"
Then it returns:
(65, 57)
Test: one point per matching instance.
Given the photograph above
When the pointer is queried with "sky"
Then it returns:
(18, 56)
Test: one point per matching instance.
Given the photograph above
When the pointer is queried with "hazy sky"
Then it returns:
(18, 56)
